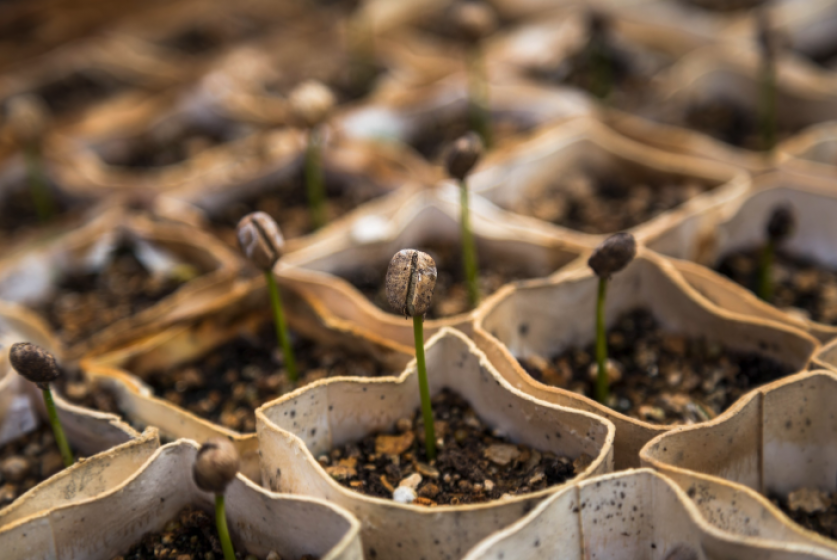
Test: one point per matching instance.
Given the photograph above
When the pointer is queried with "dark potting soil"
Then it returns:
(437, 133)
(665, 377)
(191, 535)
(230, 382)
(597, 205)
(724, 5)
(798, 283)
(730, 122)
(18, 212)
(86, 302)
(473, 465)
(450, 296)
(79, 90)
(77, 389)
(28, 461)
(812, 508)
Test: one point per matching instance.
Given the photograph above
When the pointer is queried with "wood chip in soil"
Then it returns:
(227, 384)
(475, 464)
(28, 461)
(664, 377)
(191, 535)
(812, 508)
(800, 285)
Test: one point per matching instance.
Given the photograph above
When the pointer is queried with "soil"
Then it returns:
(724, 6)
(473, 465)
(583, 201)
(78, 90)
(730, 122)
(28, 461)
(450, 296)
(800, 285)
(76, 388)
(191, 535)
(19, 214)
(665, 377)
(825, 55)
(812, 508)
(437, 133)
(86, 302)
(228, 384)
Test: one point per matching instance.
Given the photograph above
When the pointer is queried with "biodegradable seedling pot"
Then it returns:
(299, 427)
(260, 521)
(635, 515)
(776, 440)
(531, 320)
(812, 151)
(584, 147)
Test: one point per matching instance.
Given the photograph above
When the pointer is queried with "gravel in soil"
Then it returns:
(191, 535)
(18, 213)
(227, 384)
(28, 461)
(592, 204)
(86, 302)
(800, 285)
(658, 376)
(812, 508)
(473, 465)
(450, 296)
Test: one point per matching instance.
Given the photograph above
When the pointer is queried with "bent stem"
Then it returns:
(767, 107)
(469, 253)
(281, 327)
(765, 285)
(424, 389)
(478, 112)
(602, 381)
(223, 532)
(314, 179)
(57, 430)
(37, 184)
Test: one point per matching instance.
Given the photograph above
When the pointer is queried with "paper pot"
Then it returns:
(259, 521)
(32, 278)
(533, 320)
(813, 151)
(423, 219)
(774, 441)
(636, 515)
(297, 428)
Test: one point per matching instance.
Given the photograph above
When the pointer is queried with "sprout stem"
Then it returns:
(57, 430)
(765, 285)
(602, 381)
(469, 252)
(602, 71)
(767, 106)
(281, 327)
(314, 179)
(223, 532)
(479, 116)
(37, 184)
(424, 389)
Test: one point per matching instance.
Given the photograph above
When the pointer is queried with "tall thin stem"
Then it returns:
(424, 389)
(281, 327)
(57, 429)
(223, 532)
(314, 179)
(765, 281)
(469, 252)
(478, 102)
(37, 184)
(602, 381)
(767, 107)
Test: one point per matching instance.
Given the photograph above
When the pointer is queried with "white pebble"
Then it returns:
(411, 481)
(404, 495)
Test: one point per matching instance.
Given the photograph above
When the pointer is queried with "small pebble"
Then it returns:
(411, 481)
(404, 495)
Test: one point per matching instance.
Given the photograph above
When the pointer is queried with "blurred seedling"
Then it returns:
(216, 465)
(598, 30)
(768, 41)
(28, 119)
(780, 226)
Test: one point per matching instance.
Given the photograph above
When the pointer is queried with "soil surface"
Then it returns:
(665, 378)
(450, 296)
(228, 384)
(812, 508)
(583, 202)
(473, 465)
(730, 122)
(85, 303)
(724, 5)
(76, 388)
(800, 285)
(19, 214)
(27, 461)
(437, 133)
(192, 535)
(79, 90)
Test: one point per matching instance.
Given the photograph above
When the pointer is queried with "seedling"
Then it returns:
(598, 52)
(311, 103)
(39, 366)
(215, 467)
(780, 226)
(614, 254)
(769, 47)
(261, 242)
(361, 38)
(461, 158)
(475, 21)
(411, 277)
(28, 123)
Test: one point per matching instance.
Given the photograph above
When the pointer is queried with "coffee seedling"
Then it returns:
(28, 123)
(598, 53)
(779, 227)
(768, 46)
(611, 256)
(410, 280)
(261, 242)
(311, 103)
(216, 465)
(39, 366)
(461, 158)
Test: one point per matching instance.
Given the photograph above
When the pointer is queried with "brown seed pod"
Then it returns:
(260, 239)
(311, 103)
(463, 155)
(781, 224)
(613, 254)
(27, 118)
(34, 363)
(216, 465)
(474, 20)
(411, 277)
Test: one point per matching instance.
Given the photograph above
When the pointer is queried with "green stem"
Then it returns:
(223, 532)
(314, 180)
(469, 252)
(765, 286)
(281, 327)
(57, 430)
(478, 111)
(767, 107)
(602, 381)
(601, 69)
(37, 184)
(424, 389)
